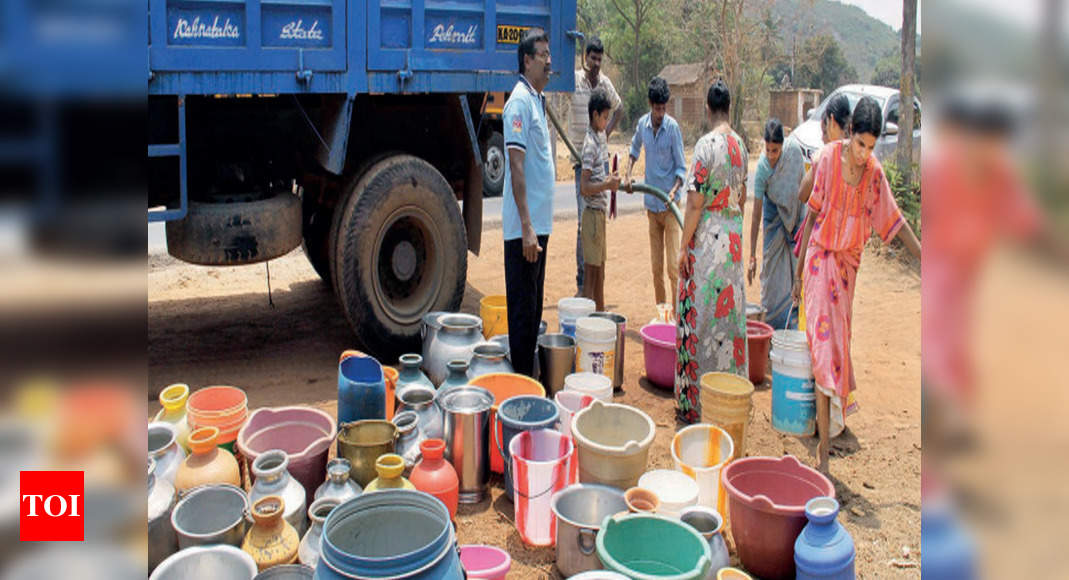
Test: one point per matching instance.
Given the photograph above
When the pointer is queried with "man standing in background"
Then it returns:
(587, 79)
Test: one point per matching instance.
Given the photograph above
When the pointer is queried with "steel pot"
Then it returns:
(362, 442)
(163, 447)
(580, 510)
(162, 541)
(467, 430)
(287, 572)
(420, 400)
(216, 562)
(455, 340)
(488, 357)
(409, 436)
(273, 479)
(211, 514)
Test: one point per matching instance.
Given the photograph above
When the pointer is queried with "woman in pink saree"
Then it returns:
(850, 199)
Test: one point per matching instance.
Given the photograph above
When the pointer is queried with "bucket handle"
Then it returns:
(790, 311)
(586, 540)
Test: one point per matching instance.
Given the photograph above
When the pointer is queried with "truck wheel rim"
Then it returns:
(495, 164)
(406, 264)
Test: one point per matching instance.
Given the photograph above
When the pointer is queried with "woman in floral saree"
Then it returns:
(711, 333)
(851, 198)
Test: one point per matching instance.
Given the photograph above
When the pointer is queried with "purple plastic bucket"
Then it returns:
(304, 433)
(659, 348)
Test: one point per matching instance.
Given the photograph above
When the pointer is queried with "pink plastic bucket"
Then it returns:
(569, 403)
(659, 349)
(542, 464)
(766, 509)
(304, 433)
(486, 562)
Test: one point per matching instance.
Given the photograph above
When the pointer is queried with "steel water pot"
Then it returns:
(467, 430)
(362, 442)
(162, 541)
(211, 514)
(580, 510)
(455, 340)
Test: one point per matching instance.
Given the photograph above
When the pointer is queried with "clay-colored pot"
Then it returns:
(208, 462)
(272, 541)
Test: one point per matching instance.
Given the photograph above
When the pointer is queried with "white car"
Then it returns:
(809, 134)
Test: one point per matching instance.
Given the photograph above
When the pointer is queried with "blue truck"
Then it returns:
(353, 128)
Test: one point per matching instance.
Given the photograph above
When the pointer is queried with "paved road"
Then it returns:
(563, 207)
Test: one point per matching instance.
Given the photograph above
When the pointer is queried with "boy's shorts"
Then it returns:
(593, 231)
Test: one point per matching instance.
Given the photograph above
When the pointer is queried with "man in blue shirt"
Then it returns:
(527, 208)
(666, 168)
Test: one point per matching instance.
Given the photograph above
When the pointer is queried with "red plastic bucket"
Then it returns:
(759, 339)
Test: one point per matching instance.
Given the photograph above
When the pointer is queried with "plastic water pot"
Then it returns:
(571, 309)
(613, 443)
(621, 329)
(727, 401)
(304, 433)
(504, 386)
(361, 389)
(794, 408)
(579, 510)
(493, 310)
(595, 346)
(413, 538)
(641, 500)
(659, 351)
(596, 385)
(824, 550)
(766, 506)
(485, 562)
(569, 403)
(675, 489)
(599, 575)
(523, 413)
(701, 451)
(758, 335)
(652, 547)
(542, 465)
(730, 573)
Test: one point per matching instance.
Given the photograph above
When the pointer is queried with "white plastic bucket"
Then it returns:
(569, 310)
(595, 385)
(570, 403)
(675, 490)
(793, 396)
(595, 345)
(701, 451)
(543, 463)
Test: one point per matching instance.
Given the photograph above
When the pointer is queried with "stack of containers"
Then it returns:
(569, 310)
(223, 407)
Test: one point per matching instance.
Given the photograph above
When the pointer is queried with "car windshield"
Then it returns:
(851, 96)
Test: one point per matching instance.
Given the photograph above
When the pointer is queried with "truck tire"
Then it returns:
(315, 234)
(494, 166)
(231, 233)
(400, 251)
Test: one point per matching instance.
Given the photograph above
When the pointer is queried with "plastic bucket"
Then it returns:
(569, 403)
(523, 413)
(727, 401)
(766, 502)
(361, 389)
(221, 406)
(674, 489)
(701, 451)
(504, 386)
(659, 352)
(579, 510)
(593, 384)
(304, 433)
(542, 465)
(595, 346)
(652, 547)
(571, 309)
(758, 335)
(730, 573)
(621, 329)
(390, 375)
(794, 408)
(493, 310)
(412, 538)
(613, 443)
(485, 562)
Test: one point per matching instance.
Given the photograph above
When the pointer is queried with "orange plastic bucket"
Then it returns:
(223, 407)
(390, 374)
(504, 386)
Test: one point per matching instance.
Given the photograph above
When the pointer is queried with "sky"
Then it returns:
(1024, 12)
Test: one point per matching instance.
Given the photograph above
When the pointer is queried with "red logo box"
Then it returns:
(51, 506)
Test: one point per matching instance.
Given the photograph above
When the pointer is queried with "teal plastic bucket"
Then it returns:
(652, 547)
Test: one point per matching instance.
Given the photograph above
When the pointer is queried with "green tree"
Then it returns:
(822, 65)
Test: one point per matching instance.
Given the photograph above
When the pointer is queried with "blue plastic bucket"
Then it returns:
(523, 413)
(389, 534)
(794, 409)
(361, 389)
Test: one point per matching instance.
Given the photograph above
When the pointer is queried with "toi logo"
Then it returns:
(51, 506)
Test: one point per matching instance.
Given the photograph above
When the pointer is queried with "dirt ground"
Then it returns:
(215, 326)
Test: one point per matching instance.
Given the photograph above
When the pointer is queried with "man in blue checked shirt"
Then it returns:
(666, 168)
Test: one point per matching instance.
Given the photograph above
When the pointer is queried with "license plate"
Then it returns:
(510, 34)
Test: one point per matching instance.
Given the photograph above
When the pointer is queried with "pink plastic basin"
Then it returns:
(304, 433)
(487, 562)
(659, 348)
(766, 509)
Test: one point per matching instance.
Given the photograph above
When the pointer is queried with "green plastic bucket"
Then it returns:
(648, 546)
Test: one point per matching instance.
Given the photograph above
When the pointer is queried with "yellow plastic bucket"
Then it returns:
(494, 312)
(727, 400)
